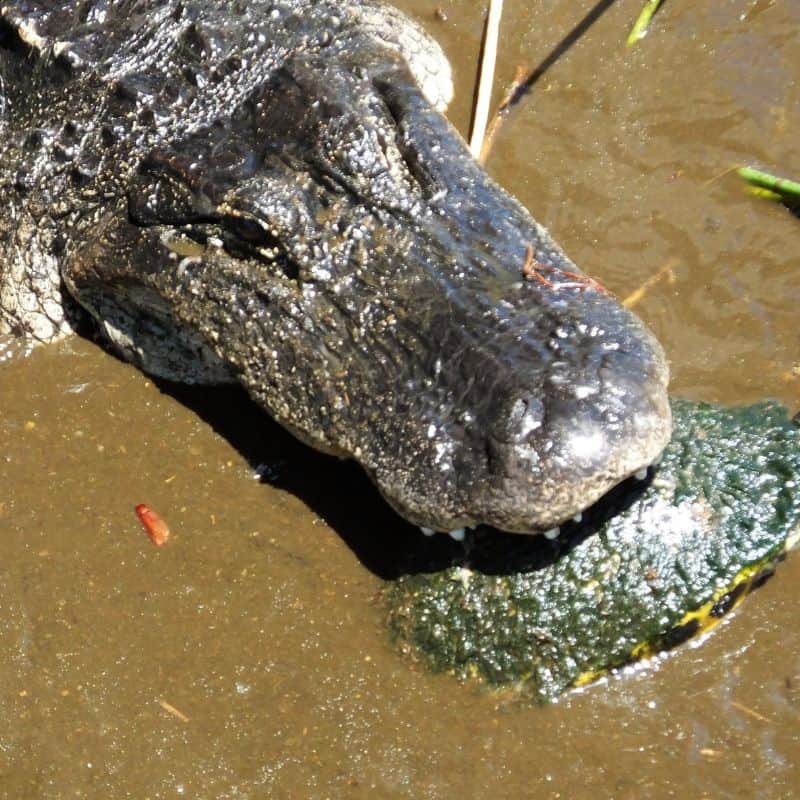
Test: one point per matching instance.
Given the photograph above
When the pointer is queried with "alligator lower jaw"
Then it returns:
(633, 483)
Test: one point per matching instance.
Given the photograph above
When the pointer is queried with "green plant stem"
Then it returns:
(639, 28)
(788, 191)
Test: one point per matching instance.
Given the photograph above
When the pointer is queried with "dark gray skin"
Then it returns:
(260, 192)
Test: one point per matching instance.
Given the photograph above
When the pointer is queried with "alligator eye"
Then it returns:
(250, 231)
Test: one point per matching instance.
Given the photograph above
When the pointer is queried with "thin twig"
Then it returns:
(501, 113)
(486, 79)
(749, 711)
(532, 270)
(170, 709)
(719, 176)
(665, 271)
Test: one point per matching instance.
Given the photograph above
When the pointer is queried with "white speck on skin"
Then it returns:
(582, 392)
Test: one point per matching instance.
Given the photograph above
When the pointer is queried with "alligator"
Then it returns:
(267, 193)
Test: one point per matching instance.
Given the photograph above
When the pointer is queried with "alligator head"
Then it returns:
(329, 243)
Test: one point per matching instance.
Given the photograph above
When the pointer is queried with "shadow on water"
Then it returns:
(340, 493)
(567, 42)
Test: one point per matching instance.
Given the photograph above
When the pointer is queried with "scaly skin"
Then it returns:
(260, 192)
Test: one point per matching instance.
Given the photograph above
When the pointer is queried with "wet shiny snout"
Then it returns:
(550, 456)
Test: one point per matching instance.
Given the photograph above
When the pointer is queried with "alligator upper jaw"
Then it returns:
(383, 299)
(528, 457)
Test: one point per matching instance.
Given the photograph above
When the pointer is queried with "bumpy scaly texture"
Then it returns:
(148, 49)
(260, 192)
(648, 569)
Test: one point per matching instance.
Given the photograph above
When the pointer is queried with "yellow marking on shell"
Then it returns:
(703, 616)
(590, 676)
(747, 577)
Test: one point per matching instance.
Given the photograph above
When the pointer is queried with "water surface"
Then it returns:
(249, 658)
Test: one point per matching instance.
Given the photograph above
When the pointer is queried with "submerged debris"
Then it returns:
(665, 272)
(170, 709)
(156, 528)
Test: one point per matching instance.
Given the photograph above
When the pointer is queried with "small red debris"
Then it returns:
(156, 528)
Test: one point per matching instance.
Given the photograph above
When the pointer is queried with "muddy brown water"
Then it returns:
(249, 657)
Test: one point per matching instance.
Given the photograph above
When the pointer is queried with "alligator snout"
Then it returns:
(537, 405)
(554, 453)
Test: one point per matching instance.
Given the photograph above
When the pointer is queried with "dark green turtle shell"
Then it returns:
(653, 565)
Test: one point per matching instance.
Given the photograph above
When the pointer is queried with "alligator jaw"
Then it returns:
(383, 299)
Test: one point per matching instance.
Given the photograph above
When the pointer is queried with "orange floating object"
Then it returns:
(156, 528)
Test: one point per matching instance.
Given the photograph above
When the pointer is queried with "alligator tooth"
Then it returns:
(578, 517)
(640, 474)
(458, 534)
(552, 533)
(427, 531)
